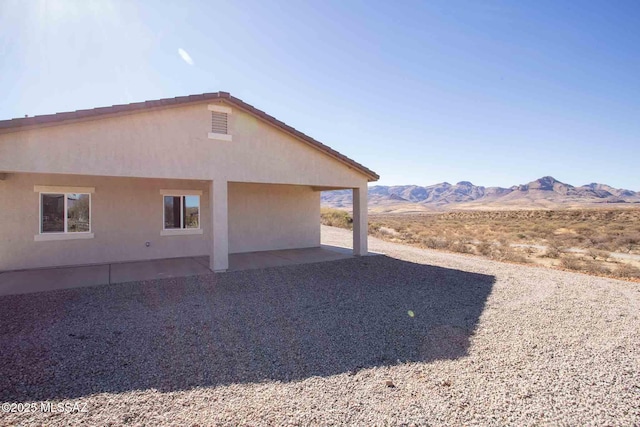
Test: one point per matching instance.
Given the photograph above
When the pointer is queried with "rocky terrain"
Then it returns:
(412, 337)
(544, 193)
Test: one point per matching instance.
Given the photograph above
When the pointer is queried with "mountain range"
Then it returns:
(544, 193)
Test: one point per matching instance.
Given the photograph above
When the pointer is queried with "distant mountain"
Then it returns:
(546, 193)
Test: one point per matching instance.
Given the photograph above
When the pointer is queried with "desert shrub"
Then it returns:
(374, 227)
(594, 267)
(555, 247)
(503, 251)
(460, 247)
(409, 237)
(516, 257)
(386, 232)
(571, 263)
(566, 240)
(584, 230)
(628, 271)
(484, 249)
(597, 253)
(435, 243)
(600, 241)
(540, 231)
(490, 233)
(400, 228)
(628, 243)
(552, 252)
(336, 218)
(504, 241)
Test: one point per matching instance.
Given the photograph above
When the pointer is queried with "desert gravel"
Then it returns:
(412, 337)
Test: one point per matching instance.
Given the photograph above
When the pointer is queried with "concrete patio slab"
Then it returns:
(156, 269)
(265, 259)
(47, 279)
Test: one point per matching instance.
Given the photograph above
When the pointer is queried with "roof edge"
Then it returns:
(26, 123)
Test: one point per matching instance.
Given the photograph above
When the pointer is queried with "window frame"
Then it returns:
(181, 231)
(65, 234)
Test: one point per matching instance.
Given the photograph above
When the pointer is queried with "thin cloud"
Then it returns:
(185, 56)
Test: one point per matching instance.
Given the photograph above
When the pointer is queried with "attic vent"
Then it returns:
(220, 122)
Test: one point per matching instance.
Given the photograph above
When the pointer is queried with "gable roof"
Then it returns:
(14, 125)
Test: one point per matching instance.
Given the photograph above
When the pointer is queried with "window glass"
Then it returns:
(191, 211)
(78, 213)
(171, 212)
(52, 213)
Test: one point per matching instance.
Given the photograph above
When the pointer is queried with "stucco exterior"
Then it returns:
(259, 188)
(269, 217)
(126, 213)
(173, 143)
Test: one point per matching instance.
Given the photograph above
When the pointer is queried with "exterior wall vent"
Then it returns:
(220, 122)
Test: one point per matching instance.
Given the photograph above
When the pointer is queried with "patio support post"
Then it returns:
(218, 206)
(360, 221)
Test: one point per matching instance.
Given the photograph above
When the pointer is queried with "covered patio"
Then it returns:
(165, 188)
(47, 279)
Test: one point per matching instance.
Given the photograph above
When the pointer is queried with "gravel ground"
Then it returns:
(415, 337)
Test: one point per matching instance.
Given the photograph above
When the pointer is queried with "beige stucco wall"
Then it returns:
(126, 213)
(267, 217)
(173, 143)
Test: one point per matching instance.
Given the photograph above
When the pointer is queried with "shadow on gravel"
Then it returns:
(284, 324)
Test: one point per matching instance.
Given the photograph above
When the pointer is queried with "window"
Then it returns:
(220, 122)
(65, 213)
(180, 212)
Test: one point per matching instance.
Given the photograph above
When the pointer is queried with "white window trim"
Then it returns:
(181, 192)
(219, 109)
(64, 235)
(182, 231)
(220, 136)
(60, 190)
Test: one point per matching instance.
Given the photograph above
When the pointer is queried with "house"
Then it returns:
(189, 176)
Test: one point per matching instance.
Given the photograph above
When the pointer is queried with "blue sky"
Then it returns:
(497, 93)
